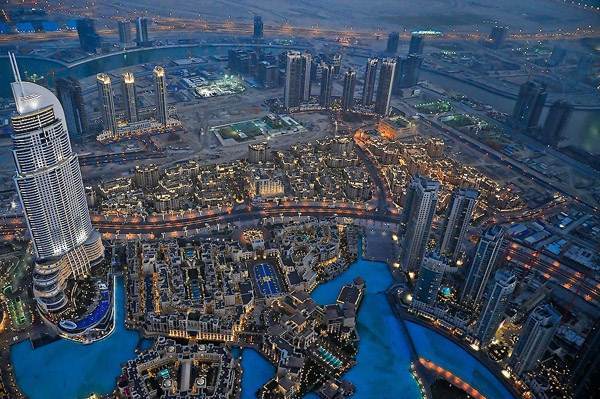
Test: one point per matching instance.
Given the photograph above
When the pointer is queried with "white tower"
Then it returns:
(50, 187)
(161, 94)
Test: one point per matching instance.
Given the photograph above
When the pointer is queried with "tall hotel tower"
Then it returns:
(489, 247)
(297, 79)
(369, 81)
(50, 188)
(109, 118)
(457, 222)
(493, 311)
(130, 97)
(384, 88)
(419, 210)
(160, 79)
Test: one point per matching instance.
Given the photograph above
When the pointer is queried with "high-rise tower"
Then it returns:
(535, 338)
(586, 373)
(369, 81)
(141, 31)
(430, 278)
(50, 188)
(417, 42)
(407, 72)
(484, 260)
(555, 123)
(88, 38)
(109, 118)
(129, 97)
(326, 83)
(258, 27)
(392, 43)
(160, 92)
(419, 209)
(124, 33)
(497, 36)
(297, 79)
(493, 311)
(529, 106)
(70, 96)
(457, 222)
(348, 92)
(384, 88)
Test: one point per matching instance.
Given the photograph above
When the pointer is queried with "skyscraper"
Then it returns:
(70, 95)
(258, 27)
(141, 31)
(129, 97)
(493, 311)
(335, 60)
(457, 222)
(557, 118)
(369, 81)
(587, 365)
(529, 106)
(392, 43)
(109, 118)
(407, 72)
(50, 188)
(484, 260)
(535, 337)
(348, 92)
(417, 43)
(430, 278)
(268, 74)
(297, 79)
(124, 33)
(497, 36)
(419, 209)
(88, 38)
(384, 88)
(326, 83)
(160, 92)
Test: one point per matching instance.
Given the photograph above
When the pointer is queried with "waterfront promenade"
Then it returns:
(404, 317)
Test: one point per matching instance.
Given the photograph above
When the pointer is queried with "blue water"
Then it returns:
(256, 372)
(452, 357)
(383, 355)
(68, 370)
(65, 369)
(51, 69)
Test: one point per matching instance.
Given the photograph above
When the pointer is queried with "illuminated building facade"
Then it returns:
(420, 206)
(484, 260)
(369, 81)
(457, 222)
(493, 312)
(535, 338)
(297, 79)
(109, 118)
(50, 188)
(129, 97)
(160, 81)
(384, 88)
(348, 91)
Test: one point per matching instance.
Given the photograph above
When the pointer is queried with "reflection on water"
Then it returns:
(65, 369)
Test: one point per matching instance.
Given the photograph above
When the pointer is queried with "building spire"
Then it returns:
(16, 73)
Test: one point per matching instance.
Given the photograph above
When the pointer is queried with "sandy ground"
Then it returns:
(360, 14)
